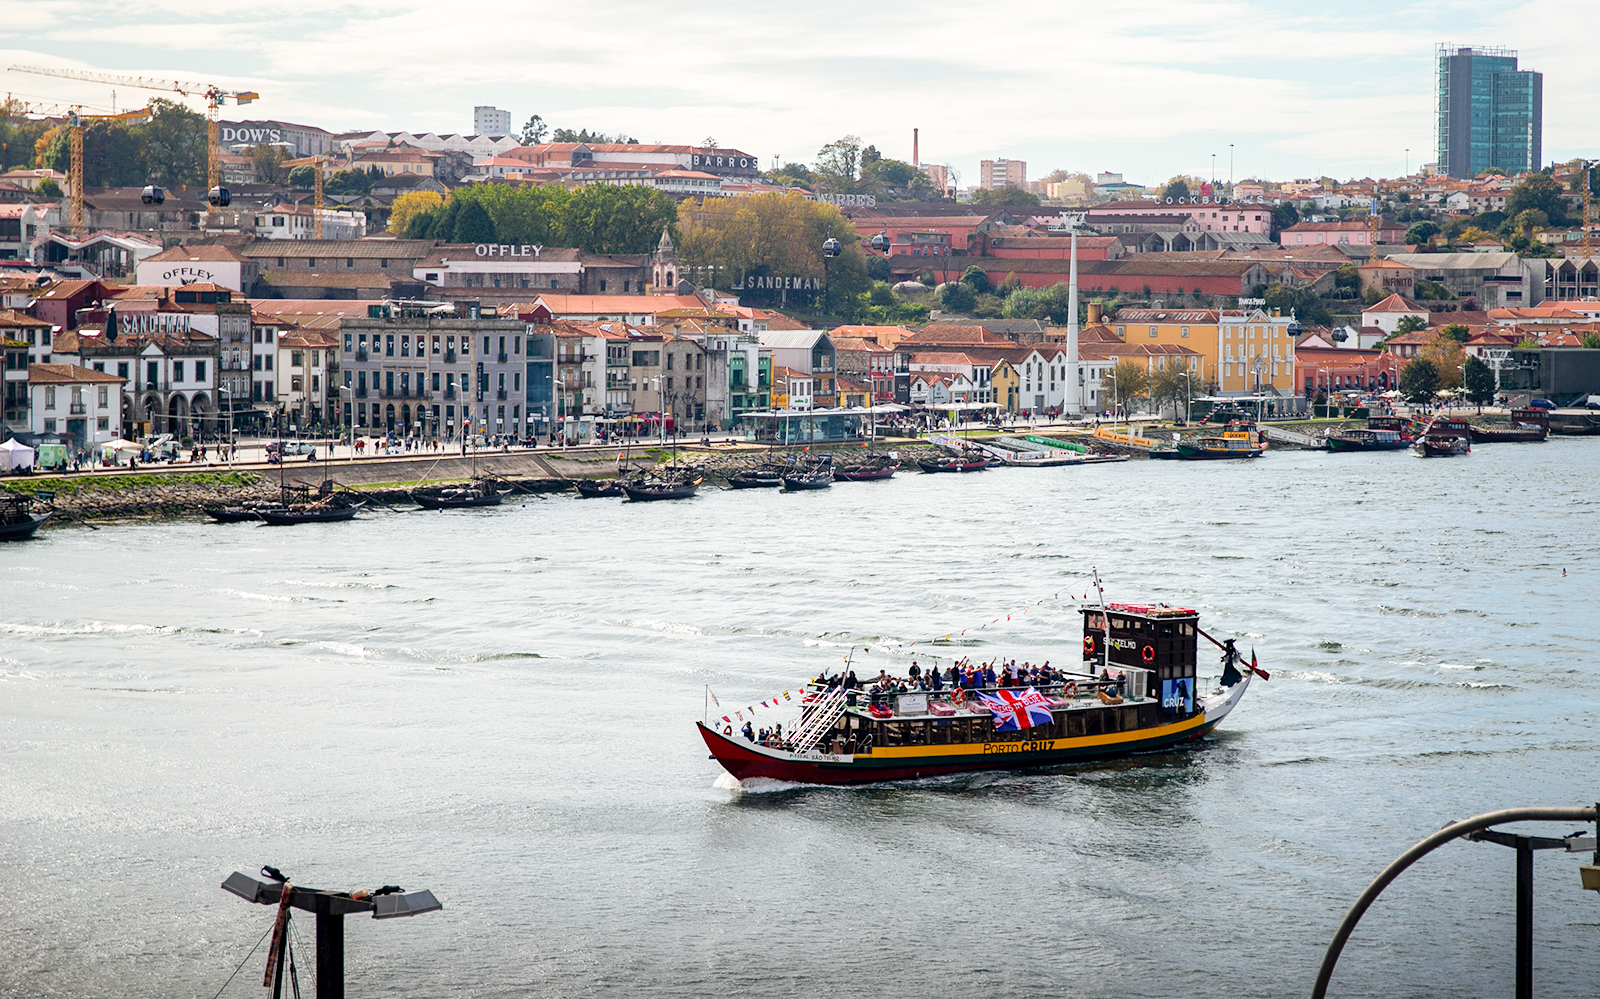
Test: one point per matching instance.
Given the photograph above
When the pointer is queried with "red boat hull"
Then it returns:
(745, 760)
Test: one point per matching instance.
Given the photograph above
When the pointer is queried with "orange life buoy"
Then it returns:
(1149, 653)
(1088, 645)
(727, 730)
(1071, 689)
(958, 696)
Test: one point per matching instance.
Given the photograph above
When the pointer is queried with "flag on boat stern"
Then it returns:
(1014, 712)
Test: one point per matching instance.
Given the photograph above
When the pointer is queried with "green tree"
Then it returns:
(1168, 385)
(605, 219)
(1410, 324)
(976, 278)
(1008, 195)
(1540, 192)
(1419, 381)
(1050, 303)
(1177, 187)
(1529, 220)
(472, 224)
(267, 163)
(303, 178)
(1479, 381)
(49, 188)
(792, 175)
(1301, 302)
(534, 131)
(957, 297)
(174, 143)
(1421, 232)
(345, 182)
(1284, 216)
(1456, 332)
(1125, 384)
(839, 164)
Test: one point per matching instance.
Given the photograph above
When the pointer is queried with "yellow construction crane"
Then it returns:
(75, 117)
(316, 197)
(215, 97)
(1588, 243)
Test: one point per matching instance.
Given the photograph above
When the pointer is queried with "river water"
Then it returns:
(498, 706)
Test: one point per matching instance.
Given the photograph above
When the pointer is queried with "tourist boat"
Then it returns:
(765, 477)
(1527, 426)
(485, 492)
(1366, 440)
(1136, 692)
(866, 472)
(1237, 441)
(974, 464)
(592, 488)
(1445, 437)
(17, 521)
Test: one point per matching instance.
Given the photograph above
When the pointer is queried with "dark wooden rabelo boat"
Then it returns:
(240, 514)
(762, 477)
(299, 508)
(1137, 691)
(661, 484)
(596, 488)
(18, 522)
(867, 468)
(965, 464)
(1444, 437)
(814, 473)
(485, 492)
(1527, 426)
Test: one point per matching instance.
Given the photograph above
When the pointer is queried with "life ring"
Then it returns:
(1071, 689)
(1149, 653)
(727, 730)
(958, 696)
(1088, 645)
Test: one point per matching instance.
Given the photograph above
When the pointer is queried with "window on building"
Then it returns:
(405, 346)
(388, 345)
(1153, 332)
(267, 362)
(122, 369)
(199, 371)
(295, 384)
(295, 359)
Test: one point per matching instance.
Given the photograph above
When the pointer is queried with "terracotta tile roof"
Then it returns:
(11, 319)
(69, 374)
(197, 251)
(941, 333)
(1395, 303)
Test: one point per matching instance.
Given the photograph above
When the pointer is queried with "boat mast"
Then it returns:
(1105, 623)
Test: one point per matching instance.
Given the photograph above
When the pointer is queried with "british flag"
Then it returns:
(1014, 712)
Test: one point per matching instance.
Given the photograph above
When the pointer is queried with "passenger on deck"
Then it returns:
(748, 732)
(988, 675)
(934, 680)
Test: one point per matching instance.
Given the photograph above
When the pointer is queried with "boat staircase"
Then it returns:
(1290, 437)
(816, 723)
(1051, 444)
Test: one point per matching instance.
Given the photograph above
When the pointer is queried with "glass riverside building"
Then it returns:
(1491, 114)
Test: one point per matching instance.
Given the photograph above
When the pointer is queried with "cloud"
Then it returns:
(1150, 87)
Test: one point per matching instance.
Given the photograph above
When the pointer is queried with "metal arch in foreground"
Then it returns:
(1453, 831)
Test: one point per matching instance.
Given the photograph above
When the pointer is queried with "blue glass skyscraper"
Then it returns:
(1491, 114)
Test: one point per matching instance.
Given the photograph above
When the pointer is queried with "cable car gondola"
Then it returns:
(880, 242)
(830, 247)
(219, 197)
(152, 195)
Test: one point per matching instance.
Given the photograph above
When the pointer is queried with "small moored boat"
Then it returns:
(1237, 441)
(17, 521)
(974, 464)
(764, 477)
(482, 493)
(1445, 437)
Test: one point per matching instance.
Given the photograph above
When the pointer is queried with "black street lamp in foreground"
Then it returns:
(388, 902)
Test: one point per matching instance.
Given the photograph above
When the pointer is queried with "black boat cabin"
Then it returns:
(1160, 643)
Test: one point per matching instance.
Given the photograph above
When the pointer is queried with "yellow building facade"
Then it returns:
(1242, 351)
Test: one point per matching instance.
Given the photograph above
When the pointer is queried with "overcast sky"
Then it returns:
(1149, 88)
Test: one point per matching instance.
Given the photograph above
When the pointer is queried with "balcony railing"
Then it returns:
(449, 357)
(500, 394)
(361, 354)
(504, 357)
(77, 409)
(449, 393)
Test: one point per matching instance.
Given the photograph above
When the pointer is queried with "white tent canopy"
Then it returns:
(16, 455)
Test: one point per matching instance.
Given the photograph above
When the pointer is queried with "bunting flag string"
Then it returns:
(1071, 595)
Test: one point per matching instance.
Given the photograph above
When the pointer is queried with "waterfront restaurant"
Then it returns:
(809, 426)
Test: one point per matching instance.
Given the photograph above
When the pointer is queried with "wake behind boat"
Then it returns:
(1143, 698)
